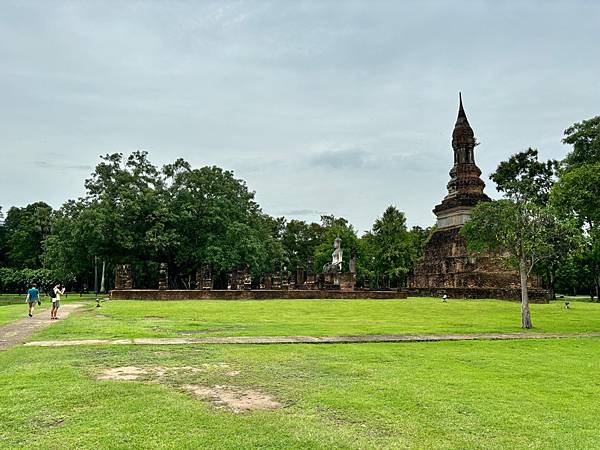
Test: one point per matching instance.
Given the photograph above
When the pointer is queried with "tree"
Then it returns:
(391, 248)
(585, 139)
(214, 220)
(3, 243)
(523, 178)
(523, 233)
(577, 193)
(24, 230)
(300, 241)
(522, 228)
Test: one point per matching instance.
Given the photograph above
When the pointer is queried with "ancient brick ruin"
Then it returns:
(446, 267)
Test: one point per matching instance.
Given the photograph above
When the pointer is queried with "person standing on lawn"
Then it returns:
(58, 290)
(33, 297)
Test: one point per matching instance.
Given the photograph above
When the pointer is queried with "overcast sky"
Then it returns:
(340, 107)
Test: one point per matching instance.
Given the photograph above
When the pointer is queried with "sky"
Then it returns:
(322, 107)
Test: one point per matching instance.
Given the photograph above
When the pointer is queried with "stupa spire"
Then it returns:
(463, 135)
(465, 188)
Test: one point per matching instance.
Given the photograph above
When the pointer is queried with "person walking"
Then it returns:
(57, 290)
(33, 297)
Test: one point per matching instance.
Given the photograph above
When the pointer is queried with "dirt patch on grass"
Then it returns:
(233, 398)
(133, 373)
(128, 373)
(54, 423)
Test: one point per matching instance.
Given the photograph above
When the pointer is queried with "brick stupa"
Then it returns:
(446, 267)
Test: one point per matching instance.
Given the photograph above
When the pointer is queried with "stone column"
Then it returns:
(204, 278)
(247, 281)
(276, 284)
(300, 276)
(163, 277)
(267, 281)
(123, 279)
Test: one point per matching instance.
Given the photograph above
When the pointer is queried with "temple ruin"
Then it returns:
(446, 267)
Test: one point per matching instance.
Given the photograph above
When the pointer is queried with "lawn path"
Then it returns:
(315, 339)
(19, 331)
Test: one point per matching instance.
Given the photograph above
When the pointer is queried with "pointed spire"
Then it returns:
(463, 133)
(461, 111)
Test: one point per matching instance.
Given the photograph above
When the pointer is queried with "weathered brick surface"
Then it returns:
(155, 294)
(536, 295)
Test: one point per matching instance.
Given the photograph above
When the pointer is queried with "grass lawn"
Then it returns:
(485, 394)
(126, 319)
(14, 307)
(9, 313)
(471, 394)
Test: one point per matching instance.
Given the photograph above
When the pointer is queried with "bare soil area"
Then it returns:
(234, 398)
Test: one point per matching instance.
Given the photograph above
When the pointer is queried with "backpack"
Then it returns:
(52, 293)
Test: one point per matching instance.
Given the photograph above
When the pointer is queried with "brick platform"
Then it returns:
(535, 295)
(155, 294)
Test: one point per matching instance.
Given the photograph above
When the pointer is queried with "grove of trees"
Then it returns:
(136, 213)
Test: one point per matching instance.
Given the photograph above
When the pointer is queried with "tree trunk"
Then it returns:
(103, 279)
(551, 291)
(525, 314)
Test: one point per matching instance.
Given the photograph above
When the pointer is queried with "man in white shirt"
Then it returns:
(57, 290)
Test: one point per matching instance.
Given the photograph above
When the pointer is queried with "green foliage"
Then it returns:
(19, 280)
(23, 232)
(520, 232)
(134, 213)
(585, 139)
(213, 219)
(300, 241)
(524, 178)
(391, 249)
(522, 228)
(577, 193)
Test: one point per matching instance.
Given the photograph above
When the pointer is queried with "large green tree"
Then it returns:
(391, 248)
(577, 194)
(300, 241)
(214, 220)
(23, 232)
(585, 139)
(521, 228)
(135, 213)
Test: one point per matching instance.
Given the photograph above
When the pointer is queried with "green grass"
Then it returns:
(471, 394)
(518, 394)
(10, 313)
(128, 319)
(14, 307)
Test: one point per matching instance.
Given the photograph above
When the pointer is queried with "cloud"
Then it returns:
(59, 166)
(339, 159)
(356, 158)
(302, 212)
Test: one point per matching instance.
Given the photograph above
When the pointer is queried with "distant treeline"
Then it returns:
(136, 213)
